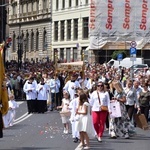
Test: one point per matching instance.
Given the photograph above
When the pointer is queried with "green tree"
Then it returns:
(116, 52)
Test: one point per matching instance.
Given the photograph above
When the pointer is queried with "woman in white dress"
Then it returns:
(84, 125)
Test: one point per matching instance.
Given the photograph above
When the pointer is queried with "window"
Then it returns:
(62, 30)
(44, 40)
(14, 42)
(14, 9)
(22, 44)
(27, 7)
(32, 7)
(32, 41)
(75, 28)
(37, 40)
(27, 38)
(57, 4)
(87, 1)
(70, 3)
(68, 29)
(85, 29)
(68, 54)
(62, 55)
(44, 4)
(37, 6)
(76, 2)
(63, 4)
(56, 31)
(21, 11)
(75, 54)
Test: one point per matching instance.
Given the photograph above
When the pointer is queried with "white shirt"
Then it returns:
(54, 85)
(71, 88)
(32, 95)
(131, 96)
(104, 100)
(87, 83)
(42, 94)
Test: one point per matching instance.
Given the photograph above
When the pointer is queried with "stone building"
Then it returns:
(46, 27)
(30, 29)
(70, 33)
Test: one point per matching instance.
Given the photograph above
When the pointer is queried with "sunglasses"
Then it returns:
(100, 85)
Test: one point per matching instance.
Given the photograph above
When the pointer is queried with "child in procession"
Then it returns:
(9, 118)
(65, 113)
(84, 125)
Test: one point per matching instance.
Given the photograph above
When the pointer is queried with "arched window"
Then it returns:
(32, 41)
(27, 38)
(14, 42)
(44, 40)
(22, 37)
(45, 4)
(37, 40)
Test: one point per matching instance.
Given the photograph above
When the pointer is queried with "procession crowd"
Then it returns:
(84, 97)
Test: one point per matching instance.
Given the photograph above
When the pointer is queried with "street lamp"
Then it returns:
(25, 46)
(19, 52)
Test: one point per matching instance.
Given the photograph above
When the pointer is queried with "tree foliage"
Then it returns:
(117, 52)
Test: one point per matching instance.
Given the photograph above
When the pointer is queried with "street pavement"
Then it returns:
(45, 132)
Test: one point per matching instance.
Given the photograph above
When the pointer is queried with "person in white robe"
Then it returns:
(9, 118)
(31, 95)
(87, 82)
(71, 86)
(73, 107)
(42, 90)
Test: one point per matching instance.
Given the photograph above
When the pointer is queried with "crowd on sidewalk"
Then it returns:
(85, 98)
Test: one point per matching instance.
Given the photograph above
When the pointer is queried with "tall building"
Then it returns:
(70, 32)
(41, 28)
(30, 30)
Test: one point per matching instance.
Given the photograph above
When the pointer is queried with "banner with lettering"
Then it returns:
(119, 20)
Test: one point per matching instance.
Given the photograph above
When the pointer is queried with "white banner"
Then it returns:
(119, 20)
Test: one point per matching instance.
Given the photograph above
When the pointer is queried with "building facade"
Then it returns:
(70, 32)
(30, 30)
(49, 28)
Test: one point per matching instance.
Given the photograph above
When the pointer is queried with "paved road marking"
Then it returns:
(20, 103)
(79, 147)
(27, 116)
(21, 117)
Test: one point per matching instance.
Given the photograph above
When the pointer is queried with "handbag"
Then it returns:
(102, 107)
(141, 121)
(65, 113)
(115, 109)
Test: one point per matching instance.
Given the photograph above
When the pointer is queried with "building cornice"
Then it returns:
(31, 22)
(27, 1)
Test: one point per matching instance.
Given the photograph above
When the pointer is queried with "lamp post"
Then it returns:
(25, 46)
(19, 52)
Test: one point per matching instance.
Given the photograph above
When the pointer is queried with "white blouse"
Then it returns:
(104, 100)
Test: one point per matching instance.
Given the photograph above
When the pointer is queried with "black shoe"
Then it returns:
(75, 140)
(51, 109)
